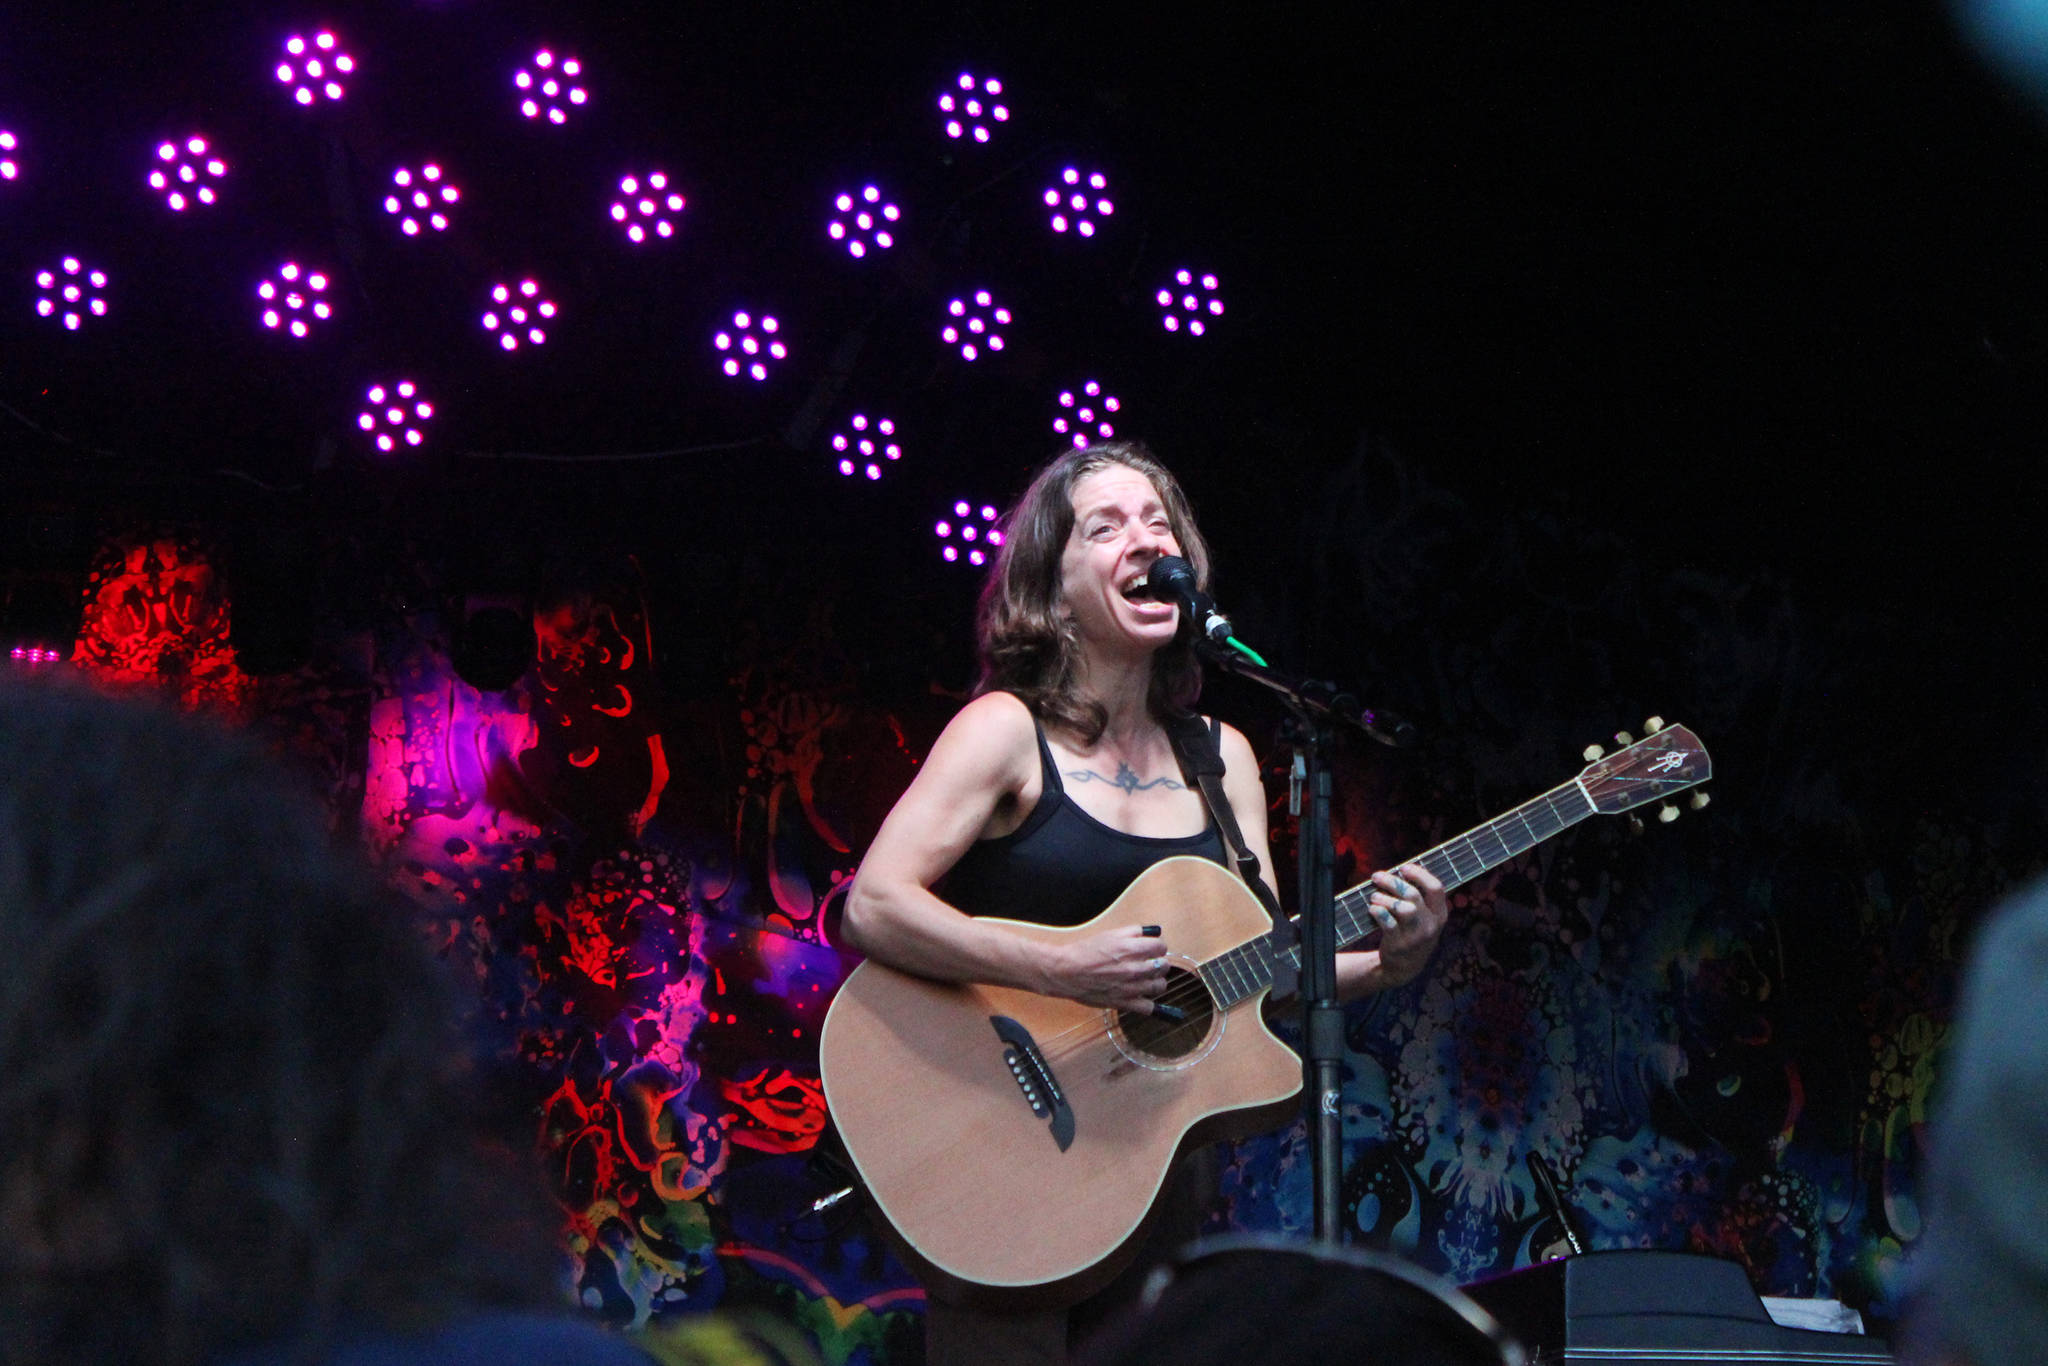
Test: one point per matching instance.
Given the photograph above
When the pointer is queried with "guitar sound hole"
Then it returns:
(1166, 1038)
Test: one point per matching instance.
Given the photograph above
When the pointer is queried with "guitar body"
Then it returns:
(1015, 1143)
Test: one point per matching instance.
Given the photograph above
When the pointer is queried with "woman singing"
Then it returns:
(1056, 786)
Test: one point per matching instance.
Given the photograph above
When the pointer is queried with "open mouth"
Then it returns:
(1134, 593)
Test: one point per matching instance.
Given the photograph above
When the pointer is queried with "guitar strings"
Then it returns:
(1442, 860)
(1103, 1019)
(1182, 995)
(1193, 988)
(1185, 994)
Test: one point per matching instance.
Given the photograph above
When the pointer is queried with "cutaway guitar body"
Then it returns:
(1016, 1142)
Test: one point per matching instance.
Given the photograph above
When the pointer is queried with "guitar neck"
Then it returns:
(1246, 970)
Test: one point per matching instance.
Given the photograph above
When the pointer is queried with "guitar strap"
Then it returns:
(1194, 744)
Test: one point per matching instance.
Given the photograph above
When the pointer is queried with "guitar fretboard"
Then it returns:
(1246, 970)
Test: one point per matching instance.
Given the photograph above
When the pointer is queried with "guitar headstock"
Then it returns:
(1661, 764)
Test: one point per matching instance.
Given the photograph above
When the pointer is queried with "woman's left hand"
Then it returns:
(1409, 906)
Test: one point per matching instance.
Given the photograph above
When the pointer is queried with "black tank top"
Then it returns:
(1061, 866)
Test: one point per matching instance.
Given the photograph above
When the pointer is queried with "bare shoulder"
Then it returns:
(995, 709)
(1244, 783)
(994, 718)
(993, 735)
(1243, 777)
(1237, 751)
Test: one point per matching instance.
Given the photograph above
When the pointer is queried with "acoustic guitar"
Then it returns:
(1015, 1143)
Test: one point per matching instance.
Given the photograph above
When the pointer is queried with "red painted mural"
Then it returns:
(640, 890)
(156, 615)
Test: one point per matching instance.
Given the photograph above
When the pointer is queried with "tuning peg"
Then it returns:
(1653, 725)
(1667, 813)
(1593, 752)
(1622, 737)
(1635, 824)
(1700, 800)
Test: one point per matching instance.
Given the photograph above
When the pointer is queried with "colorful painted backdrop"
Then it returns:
(1722, 1033)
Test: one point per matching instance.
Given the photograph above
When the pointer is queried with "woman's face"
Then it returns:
(1120, 528)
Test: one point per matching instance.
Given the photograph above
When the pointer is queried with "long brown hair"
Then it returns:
(1028, 643)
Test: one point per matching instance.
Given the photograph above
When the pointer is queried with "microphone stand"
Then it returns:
(1314, 708)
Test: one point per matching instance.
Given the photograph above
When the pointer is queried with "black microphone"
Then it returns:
(1172, 579)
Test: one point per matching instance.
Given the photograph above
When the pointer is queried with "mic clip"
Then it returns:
(1213, 625)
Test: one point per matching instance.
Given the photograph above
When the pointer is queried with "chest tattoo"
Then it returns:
(1125, 780)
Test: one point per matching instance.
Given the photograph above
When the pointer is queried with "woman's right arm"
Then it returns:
(985, 753)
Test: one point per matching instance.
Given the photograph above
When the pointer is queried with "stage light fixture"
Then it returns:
(972, 323)
(516, 314)
(863, 222)
(966, 538)
(974, 108)
(9, 168)
(316, 66)
(186, 173)
(551, 87)
(39, 616)
(1078, 201)
(647, 206)
(751, 346)
(71, 293)
(1189, 303)
(866, 446)
(295, 300)
(394, 415)
(422, 199)
(1084, 414)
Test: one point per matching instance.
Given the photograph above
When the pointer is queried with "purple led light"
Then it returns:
(1084, 414)
(863, 222)
(314, 67)
(751, 347)
(647, 206)
(295, 300)
(1189, 303)
(866, 446)
(9, 144)
(394, 415)
(964, 537)
(516, 314)
(550, 87)
(973, 324)
(421, 199)
(972, 108)
(185, 173)
(71, 293)
(1078, 201)
(35, 654)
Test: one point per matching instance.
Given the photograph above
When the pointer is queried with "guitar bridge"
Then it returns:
(1035, 1079)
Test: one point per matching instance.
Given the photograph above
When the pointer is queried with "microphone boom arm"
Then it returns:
(1310, 696)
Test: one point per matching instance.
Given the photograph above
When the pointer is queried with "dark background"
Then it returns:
(1578, 364)
(1748, 287)
(1782, 267)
